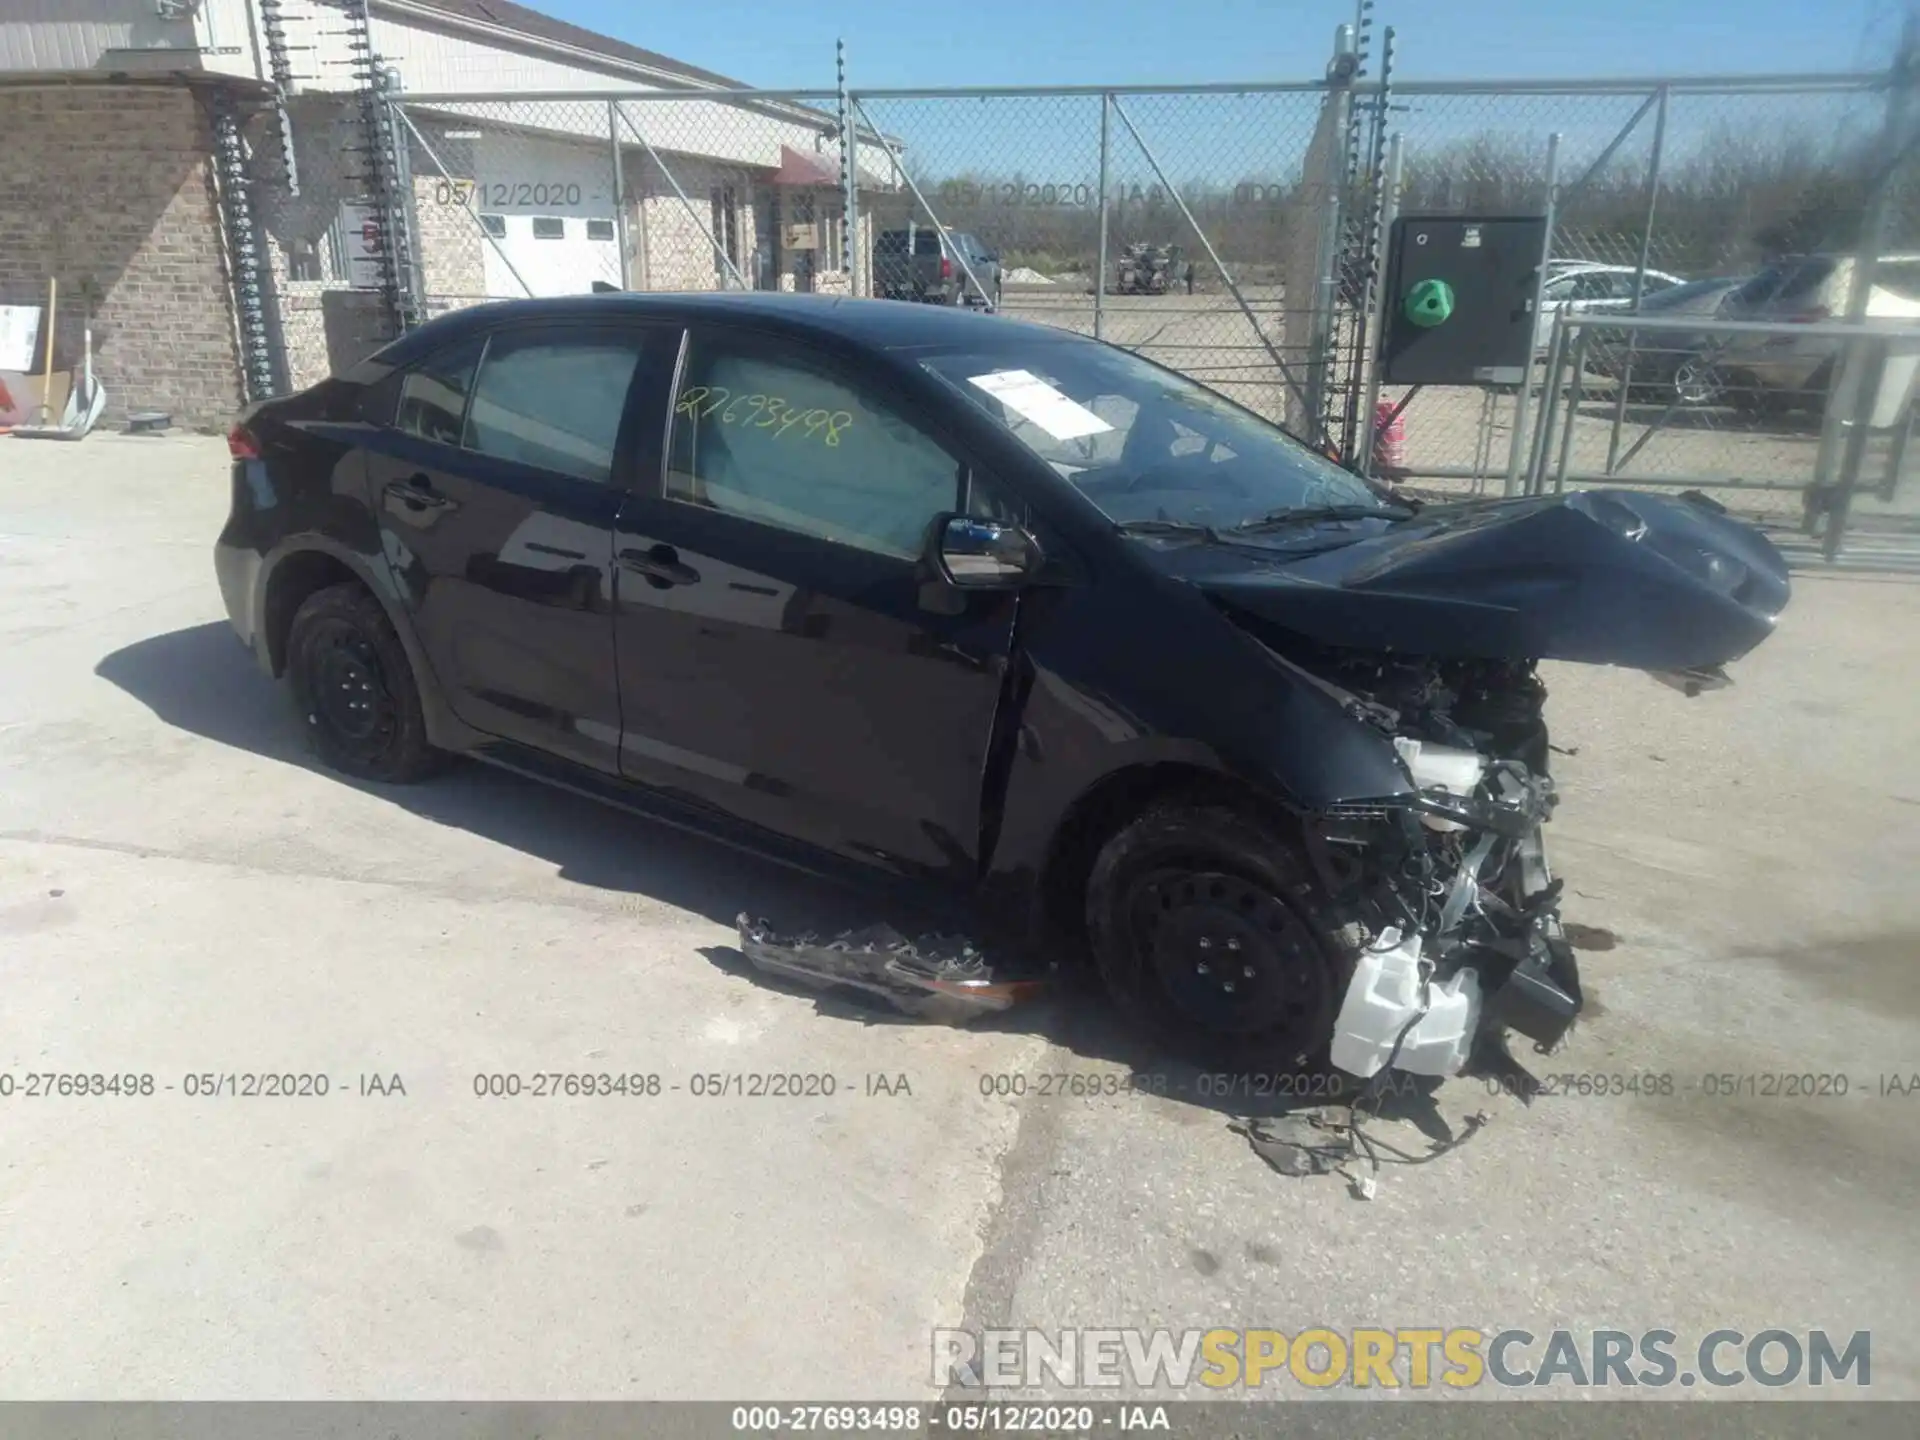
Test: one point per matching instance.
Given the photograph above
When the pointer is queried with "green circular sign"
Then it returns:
(1429, 303)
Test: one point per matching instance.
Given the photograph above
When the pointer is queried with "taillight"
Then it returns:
(240, 443)
(946, 268)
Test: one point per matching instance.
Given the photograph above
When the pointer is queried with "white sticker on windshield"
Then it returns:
(1032, 397)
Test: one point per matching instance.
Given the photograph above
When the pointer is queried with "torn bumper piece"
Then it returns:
(1540, 997)
(938, 977)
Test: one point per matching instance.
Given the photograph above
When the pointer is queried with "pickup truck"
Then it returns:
(911, 264)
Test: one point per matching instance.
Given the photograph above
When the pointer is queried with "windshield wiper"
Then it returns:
(1167, 527)
(1315, 514)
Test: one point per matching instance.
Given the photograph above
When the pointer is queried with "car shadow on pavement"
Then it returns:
(202, 681)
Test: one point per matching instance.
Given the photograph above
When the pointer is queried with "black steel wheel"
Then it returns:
(355, 690)
(1208, 932)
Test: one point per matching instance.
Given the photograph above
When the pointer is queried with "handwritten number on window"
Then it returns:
(762, 412)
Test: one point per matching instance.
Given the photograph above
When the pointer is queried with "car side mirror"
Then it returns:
(973, 554)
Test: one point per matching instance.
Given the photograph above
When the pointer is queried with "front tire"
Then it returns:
(355, 691)
(1210, 934)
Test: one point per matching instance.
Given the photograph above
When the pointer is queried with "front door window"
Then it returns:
(769, 432)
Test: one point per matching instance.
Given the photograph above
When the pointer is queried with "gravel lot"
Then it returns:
(181, 892)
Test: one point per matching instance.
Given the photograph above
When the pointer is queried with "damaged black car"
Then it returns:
(992, 609)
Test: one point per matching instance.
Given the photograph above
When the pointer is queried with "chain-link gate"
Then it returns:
(1232, 232)
(552, 195)
(1659, 185)
(1157, 218)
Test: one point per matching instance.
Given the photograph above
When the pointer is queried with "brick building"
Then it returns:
(195, 175)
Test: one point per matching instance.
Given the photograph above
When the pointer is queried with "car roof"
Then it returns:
(1897, 257)
(879, 324)
(1691, 291)
(1587, 267)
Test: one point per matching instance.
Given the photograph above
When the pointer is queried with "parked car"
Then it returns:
(1669, 367)
(1785, 372)
(1583, 285)
(990, 608)
(912, 264)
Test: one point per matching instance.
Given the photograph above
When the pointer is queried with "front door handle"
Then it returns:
(416, 492)
(661, 566)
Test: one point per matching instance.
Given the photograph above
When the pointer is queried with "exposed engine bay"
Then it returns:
(1445, 891)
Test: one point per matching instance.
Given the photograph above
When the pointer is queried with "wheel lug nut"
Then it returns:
(1227, 986)
(1206, 942)
(1233, 944)
(1204, 968)
(1247, 972)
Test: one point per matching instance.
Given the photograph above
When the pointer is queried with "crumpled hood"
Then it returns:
(1608, 577)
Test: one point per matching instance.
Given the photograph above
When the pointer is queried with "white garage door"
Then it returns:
(549, 206)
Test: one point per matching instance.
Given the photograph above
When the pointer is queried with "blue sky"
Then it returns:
(1035, 42)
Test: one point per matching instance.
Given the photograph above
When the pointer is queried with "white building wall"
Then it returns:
(438, 52)
(436, 56)
(126, 36)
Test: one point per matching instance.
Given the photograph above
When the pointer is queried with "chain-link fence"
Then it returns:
(548, 196)
(1230, 232)
(1853, 381)
(1208, 194)
(1669, 196)
(522, 196)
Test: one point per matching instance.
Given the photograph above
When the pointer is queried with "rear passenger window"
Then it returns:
(433, 395)
(553, 401)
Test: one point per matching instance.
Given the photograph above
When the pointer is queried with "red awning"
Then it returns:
(797, 167)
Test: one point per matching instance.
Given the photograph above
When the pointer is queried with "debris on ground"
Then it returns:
(944, 978)
(1330, 1140)
(1301, 1142)
(1026, 275)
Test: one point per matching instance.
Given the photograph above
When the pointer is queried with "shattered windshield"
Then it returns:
(1148, 446)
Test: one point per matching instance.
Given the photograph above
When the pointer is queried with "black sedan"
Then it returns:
(991, 608)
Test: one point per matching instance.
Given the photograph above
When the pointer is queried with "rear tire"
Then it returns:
(1812, 396)
(1696, 382)
(355, 691)
(1209, 934)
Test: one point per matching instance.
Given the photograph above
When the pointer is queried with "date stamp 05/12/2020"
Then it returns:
(1327, 1087)
(288, 1084)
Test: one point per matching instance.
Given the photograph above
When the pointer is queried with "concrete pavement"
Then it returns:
(182, 895)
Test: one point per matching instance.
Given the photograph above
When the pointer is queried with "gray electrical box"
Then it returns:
(1459, 299)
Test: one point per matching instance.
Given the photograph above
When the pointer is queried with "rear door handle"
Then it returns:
(661, 566)
(416, 492)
